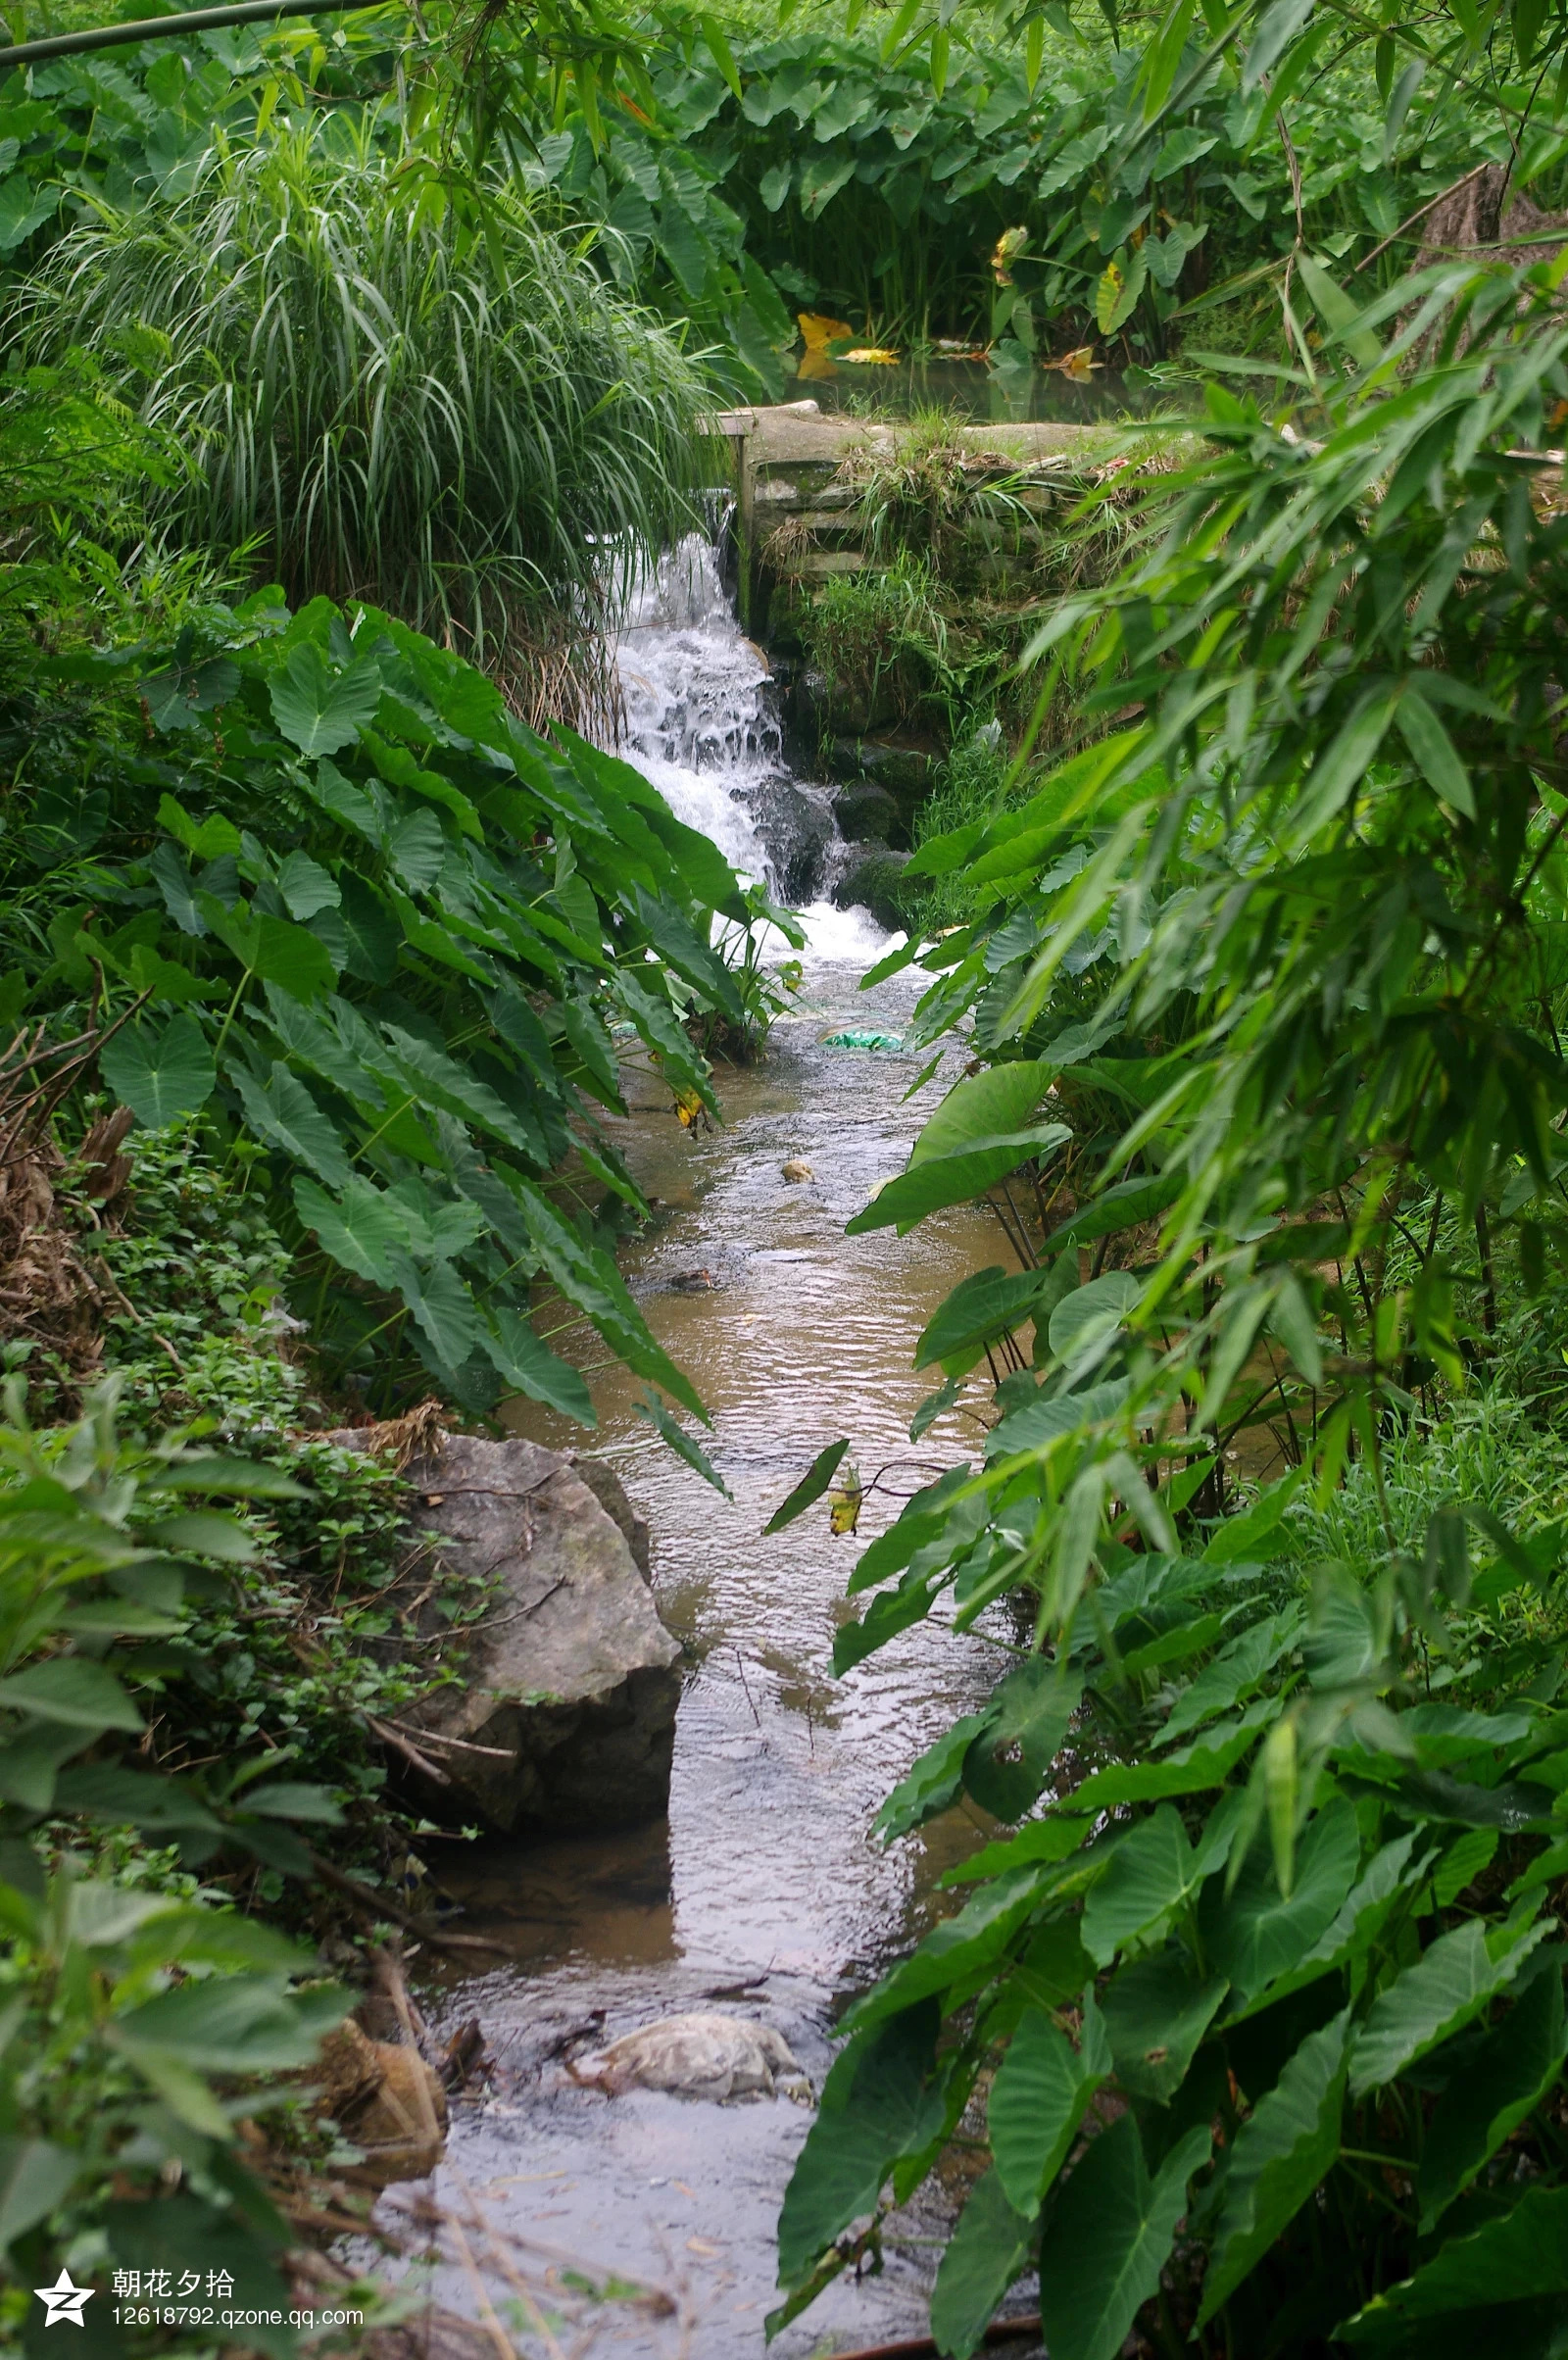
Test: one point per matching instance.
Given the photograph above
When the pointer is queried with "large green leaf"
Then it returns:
(1040, 2095)
(1010, 1759)
(1109, 2238)
(363, 1229)
(984, 2256)
(933, 1785)
(1447, 1987)
(981, 1309)
(159, 1074)
(1514, 2262)
(319, 709)
(1284, 2149)
(1157, 2011)
(523, 1361)
(232, 2024)
(35, 2177)
(942, 1180)
(74, 1692)
(1257, 1933)
(287, 1116)
(1235, 1670)
(980, 1132)
(1090, 1314)
(1367, 1908)
(1497, 2086)
(1153, 1871)
(880, 2101)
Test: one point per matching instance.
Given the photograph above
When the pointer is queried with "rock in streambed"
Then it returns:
(564, 1714)
(708, 2056)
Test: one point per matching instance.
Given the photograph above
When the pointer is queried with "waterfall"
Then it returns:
(703, 724)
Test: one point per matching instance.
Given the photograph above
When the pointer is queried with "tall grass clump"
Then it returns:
(387, 394)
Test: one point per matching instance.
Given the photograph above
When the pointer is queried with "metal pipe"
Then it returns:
(169, 29)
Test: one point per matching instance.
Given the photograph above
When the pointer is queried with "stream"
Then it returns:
(762, 1886)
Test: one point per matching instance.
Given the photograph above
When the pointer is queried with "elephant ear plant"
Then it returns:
(132, 2021)
(327, 889)
(1260, 2005)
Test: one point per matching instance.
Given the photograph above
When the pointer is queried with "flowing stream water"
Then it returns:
(763, 1886)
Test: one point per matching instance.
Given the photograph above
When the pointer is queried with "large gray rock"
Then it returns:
(873, 882)
(570, 1681)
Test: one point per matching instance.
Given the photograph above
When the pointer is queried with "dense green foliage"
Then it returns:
(1267, 981)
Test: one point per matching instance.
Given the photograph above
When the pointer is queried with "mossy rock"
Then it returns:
(866, 813)
(874, 882)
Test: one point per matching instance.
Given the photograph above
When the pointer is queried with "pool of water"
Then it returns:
(971, 389)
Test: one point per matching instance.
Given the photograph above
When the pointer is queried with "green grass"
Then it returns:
(382, 396)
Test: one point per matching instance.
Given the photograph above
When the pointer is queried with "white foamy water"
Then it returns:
(702, 726)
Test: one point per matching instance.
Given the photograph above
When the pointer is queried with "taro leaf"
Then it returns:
(981, 1309)
(812, 1483)
(938, 1180)
(1039, 1422)
(307, 887)
(317, 711)
(287, 1116)
(979, 1932)
(1108, 2240)
(523, 1361)
(933, 1785)
(370, 929)
(985, 2254)
(72, 1691)
(978, 1134)
(880, 2101)
(1091, 1313)
(1040, 2095)
(1367, 1910)
(1122, 1207)
(1191, 1770)
(680, 1441)
(1447, 1987)
(1233, 1670)
(1153, 1871)
(1504, 2080)
(272, 948)
(159, 1076)
(362, 1230)
(1477, 2288)
(1008, 1761)
(416, 850)
(35, 2177)
(1156, 2010)
(1255, 1932)
(443, 1309)
(1284, 2149)
(1258, 1531)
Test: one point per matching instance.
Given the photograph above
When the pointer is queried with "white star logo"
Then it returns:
(63, 2300)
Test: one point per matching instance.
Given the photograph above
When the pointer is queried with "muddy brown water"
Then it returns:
(761, 1895)
(763, 1885)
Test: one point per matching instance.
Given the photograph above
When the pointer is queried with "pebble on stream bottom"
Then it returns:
(797, 1168)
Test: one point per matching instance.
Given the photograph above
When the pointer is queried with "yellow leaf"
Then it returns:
(1108, 294)
(866, 354)
(844, 1502)
(689, 1106)
(1008, 246)
(819, 333)
(1076, 367)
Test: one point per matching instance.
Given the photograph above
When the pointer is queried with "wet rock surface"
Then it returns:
(702, 2056)
(871, 882)
(796, 827)
(867, 814)
(566, 1715)
(385, 2097)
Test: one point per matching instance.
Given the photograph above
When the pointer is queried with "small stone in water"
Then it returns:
(695, 2056)
(797, 1168)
